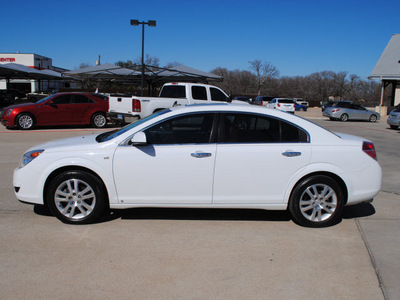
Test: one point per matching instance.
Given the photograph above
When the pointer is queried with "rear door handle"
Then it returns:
(201, 154)
(291, 153)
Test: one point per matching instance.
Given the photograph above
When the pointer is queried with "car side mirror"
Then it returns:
(51, 102)
(139, 139)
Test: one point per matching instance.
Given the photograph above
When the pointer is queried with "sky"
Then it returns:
(297, 37)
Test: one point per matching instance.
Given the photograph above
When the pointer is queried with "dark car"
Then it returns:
(10, 95)
(261, 100)
(58, 109)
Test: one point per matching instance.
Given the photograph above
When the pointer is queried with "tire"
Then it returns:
(373, 118)
(316, 201)
(25, 121)
(76, 197)
(394, 126)
(344, 117)
(98, 120)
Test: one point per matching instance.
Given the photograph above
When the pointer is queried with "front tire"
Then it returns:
(76, 197)
(316, 201)
(98, 120)
(373, 118)
(394, 127)
(25, 121)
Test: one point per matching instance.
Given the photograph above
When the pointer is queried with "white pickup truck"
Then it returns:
(129, 109)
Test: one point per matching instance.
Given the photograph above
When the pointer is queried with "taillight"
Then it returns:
(369, 148)
(262, 103)
(279, 105)
(136, 105)
(335, 110)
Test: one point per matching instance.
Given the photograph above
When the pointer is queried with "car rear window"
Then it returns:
(173, 91)
(285, 101)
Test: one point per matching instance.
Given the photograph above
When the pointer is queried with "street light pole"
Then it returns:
(151, 24)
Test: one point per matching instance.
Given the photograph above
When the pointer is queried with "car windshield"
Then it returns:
(397, 109)
(44, 99)
(107, 136)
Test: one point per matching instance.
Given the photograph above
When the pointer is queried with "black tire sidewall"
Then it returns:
(94, 182)
(294, 201)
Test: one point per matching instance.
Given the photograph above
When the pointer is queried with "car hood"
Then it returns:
(68, 144)
(20, 105)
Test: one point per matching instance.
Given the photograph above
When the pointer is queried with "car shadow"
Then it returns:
(358, 211)
(60, 127)
(202, 214)
(208, 214)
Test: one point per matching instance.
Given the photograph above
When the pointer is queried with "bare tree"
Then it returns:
(263, 71)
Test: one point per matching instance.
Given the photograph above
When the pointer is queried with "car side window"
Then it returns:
(189, 129)
(199, 92)
(217, 95)
(62, 99)
(80, 99)
(248, 128)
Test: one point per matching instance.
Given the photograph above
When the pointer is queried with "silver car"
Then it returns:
(349, 111)
(394, 118)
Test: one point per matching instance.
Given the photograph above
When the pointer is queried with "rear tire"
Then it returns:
(316, 201)
(344, 118)
(98, 120)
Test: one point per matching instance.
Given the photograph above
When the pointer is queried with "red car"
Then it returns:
(58, 109)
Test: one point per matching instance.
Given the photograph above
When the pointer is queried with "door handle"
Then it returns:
(291, 153)
(201, 154)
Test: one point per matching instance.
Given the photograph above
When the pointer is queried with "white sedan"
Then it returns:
(187, 157)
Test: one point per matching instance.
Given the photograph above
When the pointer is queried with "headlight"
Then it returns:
(8, 112)
(29, 156)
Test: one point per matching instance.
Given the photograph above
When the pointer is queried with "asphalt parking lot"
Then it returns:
(202, 253)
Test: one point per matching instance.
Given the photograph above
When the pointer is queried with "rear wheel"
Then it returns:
(373, 118)
(344, 118)
(98, 120)
(25, 121)
(316, 201)
(76, 197)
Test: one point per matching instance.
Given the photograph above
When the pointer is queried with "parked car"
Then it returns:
(283, 104)
(298, 107)
(34, 97)
(394, 118)
(330, 103)
(301, 101)
(58, 109)
(262, 100)
(168, 159)
(10, 95)
(348, 111)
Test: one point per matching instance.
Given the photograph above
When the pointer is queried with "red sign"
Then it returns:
(7, 59)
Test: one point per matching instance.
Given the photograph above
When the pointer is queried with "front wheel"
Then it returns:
(373, 118)
(25, 121)
(394, 126)
(316, 201)
(98, 120)
(76, 197)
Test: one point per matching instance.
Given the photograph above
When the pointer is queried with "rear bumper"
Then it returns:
(122, 117)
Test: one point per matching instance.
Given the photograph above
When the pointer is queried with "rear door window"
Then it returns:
(199, 92)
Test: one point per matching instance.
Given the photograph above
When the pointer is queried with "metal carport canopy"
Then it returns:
(153, 75)
(17, 71)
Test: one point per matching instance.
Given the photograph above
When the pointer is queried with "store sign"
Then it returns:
(7, 59)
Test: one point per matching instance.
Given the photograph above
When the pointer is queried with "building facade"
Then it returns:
(33, 61)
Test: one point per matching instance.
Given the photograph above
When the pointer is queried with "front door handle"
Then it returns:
(201, 154)
(291, 153)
